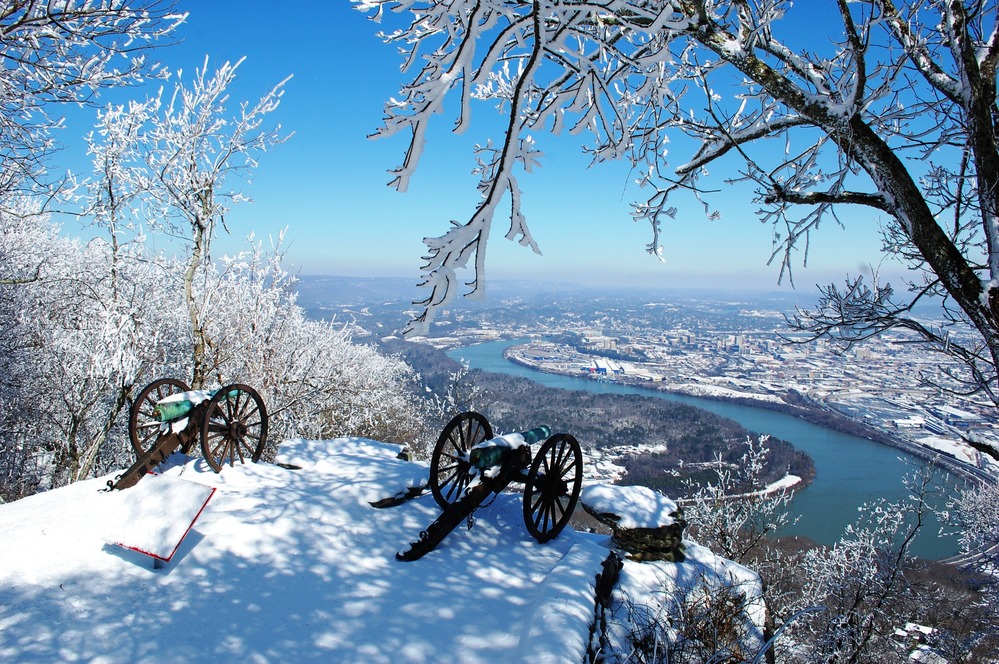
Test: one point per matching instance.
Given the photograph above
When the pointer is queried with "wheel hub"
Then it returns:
(237, 430)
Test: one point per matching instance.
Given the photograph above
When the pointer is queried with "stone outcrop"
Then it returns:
(645, 524)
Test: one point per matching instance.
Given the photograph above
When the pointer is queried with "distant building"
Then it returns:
(955, 416)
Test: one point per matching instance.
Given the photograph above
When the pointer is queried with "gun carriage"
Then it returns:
(469, 465)
(231, 423)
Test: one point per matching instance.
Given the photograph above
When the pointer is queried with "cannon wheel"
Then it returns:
(449, 476)
(552, 487)
(235, 426)
(143, 427)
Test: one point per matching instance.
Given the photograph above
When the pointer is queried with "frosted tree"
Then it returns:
(112, 194)
(975, 512)
(824, 604)
(883, 107)
(736, 513)
(74, 341)
(863, 585)
(23, 256)
(315, 380)
(181, 153)
(78, 337)
(64, 52)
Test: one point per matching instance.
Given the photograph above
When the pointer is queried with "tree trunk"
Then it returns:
(90, 455)
(200, 350)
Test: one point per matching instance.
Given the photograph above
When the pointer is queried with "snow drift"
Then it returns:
(295, 565)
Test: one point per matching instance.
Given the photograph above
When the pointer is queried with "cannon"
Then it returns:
(168, 415)
(469, 464)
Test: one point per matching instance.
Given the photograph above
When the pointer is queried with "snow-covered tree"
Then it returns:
(177, 156)
(75, 343)
(842, 603)
(855, 594)
(316, 382)
(60, 52)
(735, 513)
(976, 512)
(734, 516)
(820, 105)
(23, 256)
(95, 323)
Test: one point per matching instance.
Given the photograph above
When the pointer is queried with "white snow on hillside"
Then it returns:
(295, 565)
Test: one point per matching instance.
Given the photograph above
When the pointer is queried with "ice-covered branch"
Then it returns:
(63, 52)
(453, 250)
(675, 87)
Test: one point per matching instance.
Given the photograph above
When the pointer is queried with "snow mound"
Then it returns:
(637, 506)
(292, 565)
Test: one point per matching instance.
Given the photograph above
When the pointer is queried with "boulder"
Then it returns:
(645, 524)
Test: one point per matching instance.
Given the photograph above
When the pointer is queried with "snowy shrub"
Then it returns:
(76, 342)
(735, 513)
(703, 623)
(860, 586)
(975, 512)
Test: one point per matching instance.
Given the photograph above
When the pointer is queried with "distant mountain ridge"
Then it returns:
(337, 290)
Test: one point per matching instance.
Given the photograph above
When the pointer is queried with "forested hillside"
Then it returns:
(686, 439)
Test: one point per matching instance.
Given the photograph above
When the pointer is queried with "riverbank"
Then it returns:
(792, 403)
(850, 471)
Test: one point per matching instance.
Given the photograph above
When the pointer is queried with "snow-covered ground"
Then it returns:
(295, 565)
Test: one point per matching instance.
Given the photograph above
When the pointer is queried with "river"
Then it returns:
(849, 470)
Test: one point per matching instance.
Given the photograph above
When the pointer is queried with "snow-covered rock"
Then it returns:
(646, 524)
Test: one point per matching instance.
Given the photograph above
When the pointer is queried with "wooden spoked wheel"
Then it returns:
(143, 426)
(449, 464)
(552, 488)
(235, 426)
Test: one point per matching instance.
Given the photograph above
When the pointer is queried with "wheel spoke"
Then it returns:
(552, 487)
(217, 450)
(143, 425)
(449, 468)
(457, 489)
(229, 413)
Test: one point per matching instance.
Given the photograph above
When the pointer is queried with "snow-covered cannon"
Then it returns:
(168, 415)
(468, 465)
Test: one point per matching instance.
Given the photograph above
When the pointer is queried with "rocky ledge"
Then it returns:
(646, 525)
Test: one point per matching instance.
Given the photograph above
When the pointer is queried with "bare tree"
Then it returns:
(890, 108)
(60, 52)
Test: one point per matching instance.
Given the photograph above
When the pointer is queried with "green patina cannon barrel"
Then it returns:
(180, 405)
(493, 452)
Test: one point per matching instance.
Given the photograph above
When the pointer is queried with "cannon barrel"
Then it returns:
(181, 404)
(494, 451)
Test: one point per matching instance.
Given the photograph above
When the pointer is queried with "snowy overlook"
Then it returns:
(291, 562)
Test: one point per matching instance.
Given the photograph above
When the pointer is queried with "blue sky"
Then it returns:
(327, 184)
